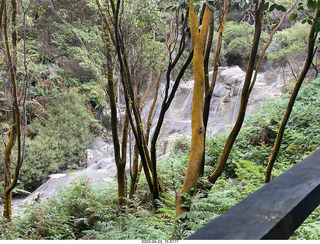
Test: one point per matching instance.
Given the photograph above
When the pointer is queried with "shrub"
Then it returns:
(60, 142)
(181, 145)
(288, 45)
(237, 39)
(85, 210)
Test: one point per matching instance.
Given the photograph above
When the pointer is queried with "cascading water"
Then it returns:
(177, 123)
(216, 106)
(237, 102)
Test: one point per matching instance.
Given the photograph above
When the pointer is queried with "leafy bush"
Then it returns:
(288, 45)
(181, 145)
(85, 210)
(60, 142)
(237, 39)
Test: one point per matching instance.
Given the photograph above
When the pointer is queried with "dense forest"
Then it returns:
(73, 72)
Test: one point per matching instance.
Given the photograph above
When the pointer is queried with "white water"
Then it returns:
(224, 109)
(237, 103)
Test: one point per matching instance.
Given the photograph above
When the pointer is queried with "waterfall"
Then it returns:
(237, 102)
(215, 108)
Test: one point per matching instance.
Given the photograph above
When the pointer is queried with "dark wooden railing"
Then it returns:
(275, 211)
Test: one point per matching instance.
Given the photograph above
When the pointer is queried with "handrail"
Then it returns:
(274, 211)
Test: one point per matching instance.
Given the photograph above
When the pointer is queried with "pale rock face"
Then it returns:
(31, 199)
(224, 104)
(177, 124)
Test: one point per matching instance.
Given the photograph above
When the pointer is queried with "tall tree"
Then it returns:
(244, 95)
(120, 163)
(113, 23)
(310, 54)
(209, 86)
(136, 170)
(199, 37)
(10, 178)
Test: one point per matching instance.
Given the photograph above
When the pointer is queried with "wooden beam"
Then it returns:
(274, 211)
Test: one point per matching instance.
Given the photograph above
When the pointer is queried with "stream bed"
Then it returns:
(177, 124)
(100, 167)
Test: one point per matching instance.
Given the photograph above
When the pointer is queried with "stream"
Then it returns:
(100, 167)
(177, 124)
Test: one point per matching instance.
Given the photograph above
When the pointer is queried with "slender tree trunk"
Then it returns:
(130, 98)
(206, 80)
(244, 96)
(124, 143)
(114, 123)
(135, 172)
(15, 133)
(197, 140)
(136, 169)
(268, 44)
(2, 8)
(209, 87)
(283, 123)
(168, 97)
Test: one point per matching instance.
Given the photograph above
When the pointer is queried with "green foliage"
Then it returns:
(65, 215)
(309, 230)
(93, 92)
(172, 171)
(85, 210)
(140, 21)
(237, 38)
(253, 146)
(60, 140)
(214, 147)
(89, 211)
(181, 145)
(288, 45)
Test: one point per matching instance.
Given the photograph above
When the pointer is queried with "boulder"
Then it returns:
(31, 199)
(232, 75)
(269, 78)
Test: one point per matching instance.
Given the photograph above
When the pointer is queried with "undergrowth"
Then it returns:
(60, 142)
(85, 210)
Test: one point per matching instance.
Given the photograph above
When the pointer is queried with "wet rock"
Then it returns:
(31, 199)
(220, 90)
(270, 78)
(232, 74)
(91, 156)
(57, 176)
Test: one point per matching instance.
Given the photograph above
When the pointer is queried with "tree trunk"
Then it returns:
(209, 87)
(268, 44)
(283, 123)
(197, 139)
(114, 123)
(244, 96)
(135, 172)
(15, 133)
(130, 98)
